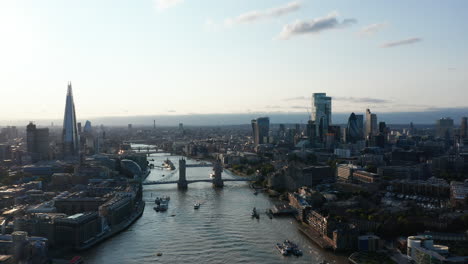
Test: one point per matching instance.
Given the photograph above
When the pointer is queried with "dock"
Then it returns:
(314, 236)
(283, 209)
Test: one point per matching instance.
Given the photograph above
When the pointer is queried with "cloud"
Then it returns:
(297, 98)
(401, 42)
(165, 4)
(256, 15)
(372, 29)
(315, 26)
(361, 100)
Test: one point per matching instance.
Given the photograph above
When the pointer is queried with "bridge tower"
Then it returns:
(218, 170)
(182, 184)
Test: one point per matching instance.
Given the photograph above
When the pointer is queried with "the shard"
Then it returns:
(70, 137)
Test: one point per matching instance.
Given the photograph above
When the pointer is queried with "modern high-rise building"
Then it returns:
(371, 124)
(464, 127)
(37, 142)
(360, 124)
(444, 128)
(70, 137)
(321, 113)
(311, 130)
(88, 129)
(260, 129)
(353, 132)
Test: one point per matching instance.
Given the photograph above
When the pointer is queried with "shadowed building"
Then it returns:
(260, 129)
(353, 132)
(37, 141)
(464, 127)
(371, 124)
(444, 128)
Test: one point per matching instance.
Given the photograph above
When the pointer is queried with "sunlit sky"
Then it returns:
(167, 57)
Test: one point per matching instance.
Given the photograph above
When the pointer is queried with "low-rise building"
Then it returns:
(75, 230)
(361, 176)
(344, 172)
(459, 194)
(421, 250)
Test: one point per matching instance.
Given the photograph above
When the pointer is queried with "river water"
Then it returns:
(221, 231)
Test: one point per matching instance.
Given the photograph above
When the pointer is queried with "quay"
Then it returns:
(114, 229)
(283, 209)
(314, 236)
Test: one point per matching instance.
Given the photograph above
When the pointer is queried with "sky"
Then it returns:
(182, 57)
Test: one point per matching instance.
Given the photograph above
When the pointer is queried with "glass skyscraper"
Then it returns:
(70, 137)
(321, 113)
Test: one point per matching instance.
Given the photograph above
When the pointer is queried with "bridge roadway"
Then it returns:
(193, 181)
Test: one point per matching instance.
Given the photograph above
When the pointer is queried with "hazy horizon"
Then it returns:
(420, 118)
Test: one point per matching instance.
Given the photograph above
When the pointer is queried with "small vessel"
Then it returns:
(196, 206)
(156, 208)
(292, 248)
(212, 175)
(255, 193)
(255, 213)
(282, 249)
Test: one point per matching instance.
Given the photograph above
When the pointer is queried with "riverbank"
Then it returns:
(116, 229)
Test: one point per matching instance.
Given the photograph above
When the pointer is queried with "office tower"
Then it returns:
(79, 127)
(298, 129)
(263, 129)
(444, 128)
(37, 142)
(311, 130)
(255, 132)
(260, 129)
(382, 127)
(154, 124)
(88, 128)
(360, 125)
(464, 127)
(371, 124)
(353, 132)
(411, 129)
(70, 139)
(321, 113)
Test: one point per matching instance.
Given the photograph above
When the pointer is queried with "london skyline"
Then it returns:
(172, 58)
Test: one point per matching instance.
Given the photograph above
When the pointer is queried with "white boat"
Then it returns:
(196, 206)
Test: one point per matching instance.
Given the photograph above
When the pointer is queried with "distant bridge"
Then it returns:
(183, 183)
(148, 150)
(193, 181)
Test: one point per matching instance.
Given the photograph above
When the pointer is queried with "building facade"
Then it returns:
(321, 113)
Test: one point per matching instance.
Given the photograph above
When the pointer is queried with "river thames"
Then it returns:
(221, 231)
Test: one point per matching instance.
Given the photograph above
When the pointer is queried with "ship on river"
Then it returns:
(168, 164)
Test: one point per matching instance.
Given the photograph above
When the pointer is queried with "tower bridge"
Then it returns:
(182, 183)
